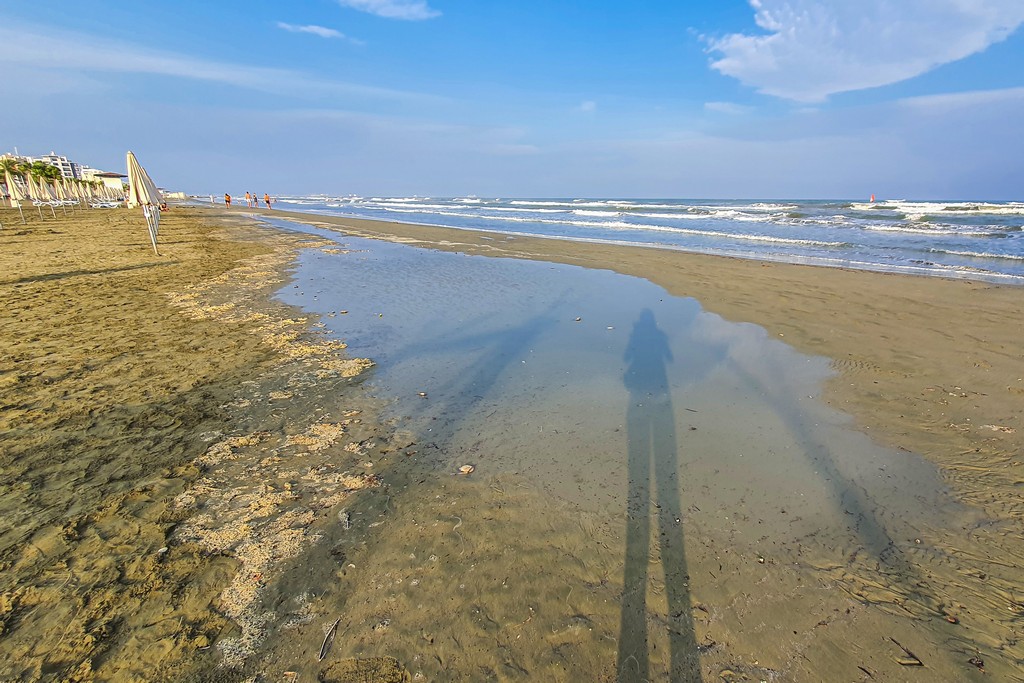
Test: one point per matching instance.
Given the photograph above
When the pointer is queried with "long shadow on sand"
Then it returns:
(487, 356)
(897, 572)
(650, 424)
(77, 273)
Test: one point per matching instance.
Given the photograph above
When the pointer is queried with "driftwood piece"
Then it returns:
(911, 659)
(328, 639)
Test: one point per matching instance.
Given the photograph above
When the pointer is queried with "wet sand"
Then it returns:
(931, 365)
(926, 366)
(149, 404)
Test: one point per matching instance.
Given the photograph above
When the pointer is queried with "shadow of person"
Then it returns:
(651, 433)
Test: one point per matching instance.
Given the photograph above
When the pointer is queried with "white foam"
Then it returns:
(597, 214)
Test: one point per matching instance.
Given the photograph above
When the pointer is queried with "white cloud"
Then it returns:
(587, 107)
(321, 31)
(815, 48)
(410, 10)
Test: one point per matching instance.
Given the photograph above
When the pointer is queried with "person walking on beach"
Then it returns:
(227, 199)
(266, 198)
(248, 200)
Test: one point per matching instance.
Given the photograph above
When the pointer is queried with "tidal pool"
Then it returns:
(657, 494)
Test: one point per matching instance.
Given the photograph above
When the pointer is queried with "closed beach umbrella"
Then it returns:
(33, 194)
(45, 193)
(68, 192)
(40, 195)
(142, 192)
(33, 191)
(59, 196)
(83, 198)
(17, 197)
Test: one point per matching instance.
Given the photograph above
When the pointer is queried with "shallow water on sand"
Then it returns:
(658, 493)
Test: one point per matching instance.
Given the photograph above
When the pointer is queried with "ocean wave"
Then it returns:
(508, 209)
(300, 202)
(598, 214)
(936, 229)
(425, 208)
(915, 210)
(624, 226)
(977, 254)
(775, 207)
(524, 202)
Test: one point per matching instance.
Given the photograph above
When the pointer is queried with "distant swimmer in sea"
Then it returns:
(248, 200)
(266, 198)
(227, 199)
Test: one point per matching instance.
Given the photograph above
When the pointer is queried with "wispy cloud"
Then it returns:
(726, 108)
(321, 31)
(971, 99)
(513, 149)
(587, 107)
(815, 48)
(80, 53)
(409, 10)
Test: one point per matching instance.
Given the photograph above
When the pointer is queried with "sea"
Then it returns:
(958, 239)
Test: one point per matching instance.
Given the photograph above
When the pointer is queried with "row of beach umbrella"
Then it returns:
(142, 192)
(59, 192)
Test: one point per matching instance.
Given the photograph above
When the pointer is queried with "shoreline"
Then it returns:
(952, 241)
(925, 364)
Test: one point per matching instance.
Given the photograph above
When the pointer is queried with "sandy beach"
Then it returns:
(178, 450)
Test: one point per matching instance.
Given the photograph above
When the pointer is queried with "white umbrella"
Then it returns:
(67, 189)
(79, 189)
(59, 196)
(33, 194)
(17, 196)
(89, 194)
(40, 195)
(142, 192)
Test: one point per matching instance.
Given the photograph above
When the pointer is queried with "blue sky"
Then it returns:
(718, 99)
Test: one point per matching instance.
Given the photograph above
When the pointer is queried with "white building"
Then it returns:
(68, 168)
(111, 180)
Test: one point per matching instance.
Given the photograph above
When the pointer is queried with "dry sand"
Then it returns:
(164, 403)
(139, 394)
